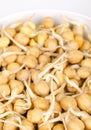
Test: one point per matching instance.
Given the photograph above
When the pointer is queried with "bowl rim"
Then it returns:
(18, 13)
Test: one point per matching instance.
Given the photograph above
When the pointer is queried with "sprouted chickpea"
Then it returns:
(68, 101)
(41, 88)
(41, 103)
(21, 38)
(11, 31)
(34, 115)
(45, 76)
(27, 124)
(51, 44)
(20, 106)
(48, 22)
(16, 85)
(58, 127)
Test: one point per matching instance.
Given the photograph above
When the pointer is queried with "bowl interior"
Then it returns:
(38, 15)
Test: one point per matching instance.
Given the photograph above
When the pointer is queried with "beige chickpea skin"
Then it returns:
(16, 85)
(34, 74)
(41, 103)
(58, 127)
(44, 59)
(86, 63)
(13, 66)
(75, 56)
(67, 101)
(30, 61)
(51, 44)
(47, 22)
(3, 79)
(4, 42)
(22, 75)
(41, 88)
(20, 59)
(41, 38)
(4, 90)
(11, 31)
(70, 72)
(68, 35)
(19, 106)
(35, 51)
(83, 72)
(31, 115)
(26, 123)
(22, 39)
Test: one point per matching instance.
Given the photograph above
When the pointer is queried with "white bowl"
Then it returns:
(38, 15)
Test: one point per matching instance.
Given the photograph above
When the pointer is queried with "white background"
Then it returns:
(13, 6)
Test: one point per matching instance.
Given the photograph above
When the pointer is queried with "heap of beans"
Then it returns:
(45, 76)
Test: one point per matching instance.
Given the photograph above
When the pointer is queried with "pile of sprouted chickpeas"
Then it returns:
(45, 76)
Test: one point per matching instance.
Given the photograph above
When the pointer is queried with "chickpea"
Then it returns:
(10, 126)
(70, 72)
(9, 107)
(27, 124)
(16, 85)
(30, 61)
(19, 106)
(61, 77)
(58, 127)
(68, 101)
(11, 31)
(60, 50)
(22, 75)
(51, 43)
(86, 45)
(41, 103)
(44, 59)
(83, 72)
(68, 35)
(10, 59)
(84, 102)
(77, 30)
(34, 115)
(46, 127)
(70, 88)
(13, 48)
(3, 79)
(4, 42)
(30, 24)
(79, 40)
(20, 59)
(41, 37)
(75, 56)
(13, 66)
(1, 126)
(11, 76)
(86, 63)
(48, 22)
(22, 39)
(58, 97)
(4, 90)
(72, 45)
(32, 43)
(32, 87)
(34, 74)
(75, 124)
(35, 51)
(41, 88)
(2, 110)
(57, 107)
(26, 31)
